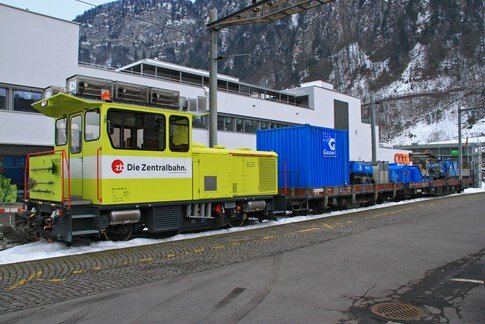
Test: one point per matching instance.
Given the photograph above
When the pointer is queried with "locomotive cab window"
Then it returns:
(76, 131)
(135, 130)
(179, 134)
(91, 125)
(61, 132)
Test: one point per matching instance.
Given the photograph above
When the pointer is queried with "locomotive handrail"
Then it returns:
(26, 168)
(64, 158)
(98, 183)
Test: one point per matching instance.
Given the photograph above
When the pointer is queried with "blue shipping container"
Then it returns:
(308, 156)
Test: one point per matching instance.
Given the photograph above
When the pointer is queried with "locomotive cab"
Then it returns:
(113, 155)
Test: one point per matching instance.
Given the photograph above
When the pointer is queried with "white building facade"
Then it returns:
(43, 51)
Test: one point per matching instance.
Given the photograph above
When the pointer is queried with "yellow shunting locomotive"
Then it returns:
(128, 162)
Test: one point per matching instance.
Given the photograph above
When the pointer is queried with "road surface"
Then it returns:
(428, 254)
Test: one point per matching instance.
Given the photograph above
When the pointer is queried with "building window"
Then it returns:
(199, 122)
(61, 132)
(220, 123)
(225, 123)
(3, 98)
(229, 124)
(91, 125)
(191, 78)
(264, 125)
(240, 125)
(23, 99)
(179, 133)
(341, 114)
(250, 126)
(245, 125)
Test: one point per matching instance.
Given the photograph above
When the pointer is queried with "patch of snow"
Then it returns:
(423, 18)
(44, 250)
(294, 21)
(443, 131)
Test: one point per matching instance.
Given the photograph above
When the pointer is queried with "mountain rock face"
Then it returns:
(422, 59)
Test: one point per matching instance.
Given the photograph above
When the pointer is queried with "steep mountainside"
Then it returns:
(423, 59)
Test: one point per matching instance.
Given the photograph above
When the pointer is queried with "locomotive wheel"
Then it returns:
(236, 219)
(118, 233)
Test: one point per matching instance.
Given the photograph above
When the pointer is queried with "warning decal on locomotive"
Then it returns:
(146, 167)
(329, 146)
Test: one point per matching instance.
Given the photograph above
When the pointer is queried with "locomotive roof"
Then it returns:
(64, 104)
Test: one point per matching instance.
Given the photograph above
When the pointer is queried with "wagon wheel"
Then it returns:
(118, 233)
(236, 219)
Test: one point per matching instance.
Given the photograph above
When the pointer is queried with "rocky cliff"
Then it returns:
(423, 59)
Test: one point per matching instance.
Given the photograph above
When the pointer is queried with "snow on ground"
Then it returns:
(44, 250)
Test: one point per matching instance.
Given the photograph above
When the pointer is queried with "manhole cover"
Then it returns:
(398, 311)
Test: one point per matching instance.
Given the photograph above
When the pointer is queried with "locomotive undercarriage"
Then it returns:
(56, 222)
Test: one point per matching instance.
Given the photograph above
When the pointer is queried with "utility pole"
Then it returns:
(213, 80)
(460, 148)
(259, 12)
(373, 128)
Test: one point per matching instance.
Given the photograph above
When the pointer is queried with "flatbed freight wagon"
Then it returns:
(314, 172)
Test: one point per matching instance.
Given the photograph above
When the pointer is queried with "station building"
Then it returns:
(39, 51)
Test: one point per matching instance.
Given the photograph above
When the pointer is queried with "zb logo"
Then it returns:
(117, 166)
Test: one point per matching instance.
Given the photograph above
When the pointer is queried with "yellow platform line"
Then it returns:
(311, 229)
(22, 282)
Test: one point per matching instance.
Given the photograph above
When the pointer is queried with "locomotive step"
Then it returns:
(201, 217)
(279, 212)
(85, 232)
(83, 216)
(78, 201)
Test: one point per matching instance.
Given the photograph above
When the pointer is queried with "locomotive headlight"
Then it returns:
(52, 90)
(48, 93)
(71, 86)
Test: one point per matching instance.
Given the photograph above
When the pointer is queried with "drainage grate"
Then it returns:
(398, 311)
